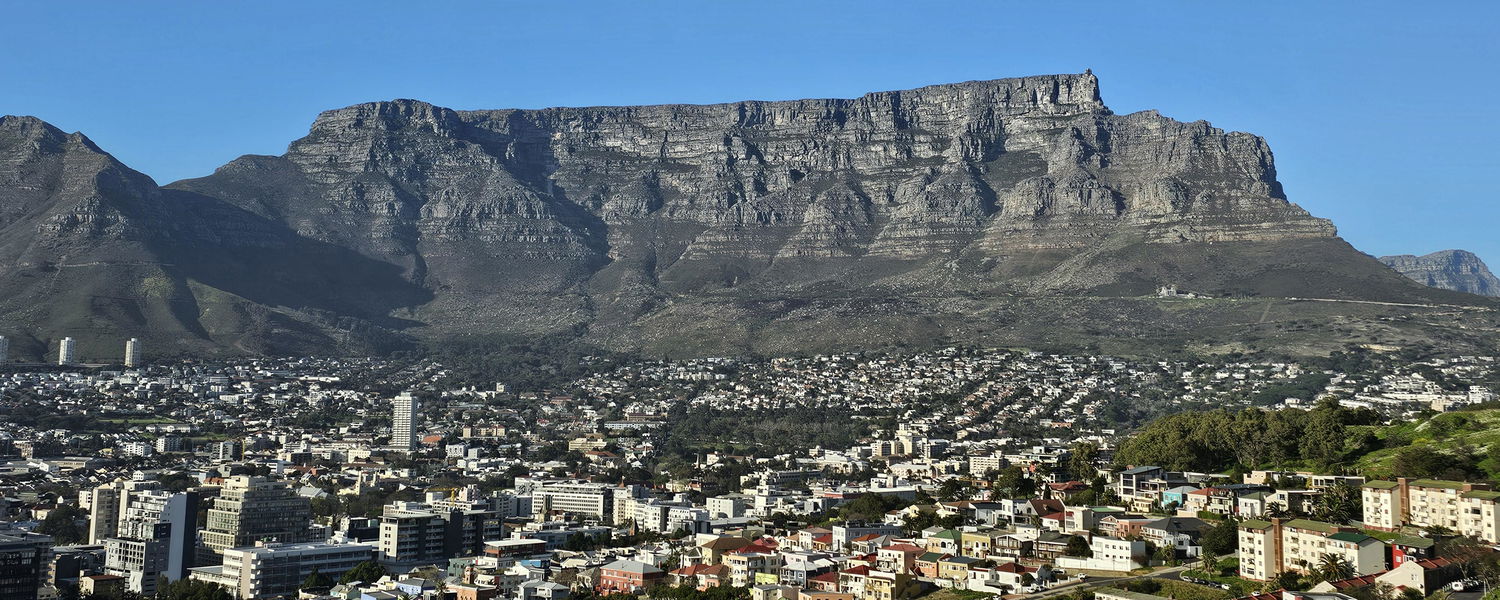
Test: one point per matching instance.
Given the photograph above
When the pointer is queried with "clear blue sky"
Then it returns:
(1380, 113)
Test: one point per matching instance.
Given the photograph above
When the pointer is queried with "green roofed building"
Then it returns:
(1268, 548)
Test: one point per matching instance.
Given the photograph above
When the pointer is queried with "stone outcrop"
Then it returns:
(1457, 270)
(402, 220)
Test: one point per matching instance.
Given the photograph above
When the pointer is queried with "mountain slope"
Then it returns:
(1457, 270)
(92, 249)
(1015, 211)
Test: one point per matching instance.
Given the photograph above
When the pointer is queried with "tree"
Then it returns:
(1332, 567)
(1339, 504)
(316, 581)
(192, 589)
(1012, 482)
(62, 525)
(1210, 561)
(366, 571)
(1166, 554)
(1222, 540)
(952, 490)
(1285, 580)
(1077, 546)
(1081, 461)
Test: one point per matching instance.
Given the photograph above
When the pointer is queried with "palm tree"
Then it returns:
(1210, 562)
(1332, 567)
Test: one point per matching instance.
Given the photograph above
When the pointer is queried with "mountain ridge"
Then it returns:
(1457, 270)
(950, 212)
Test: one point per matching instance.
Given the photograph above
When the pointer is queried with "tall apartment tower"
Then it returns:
(4, 348)
(404, 422)
(251, 509)
(65, 351)
(104, 511)
(133, 353)
(156, 538)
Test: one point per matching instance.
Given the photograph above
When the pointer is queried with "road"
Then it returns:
(1098, 580)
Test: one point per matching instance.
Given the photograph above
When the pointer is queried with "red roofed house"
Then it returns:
(827, 582)
(1055, 521)
(627, 576)
(745, 563)
(1010, 575)
(852, 580)
(898, 558)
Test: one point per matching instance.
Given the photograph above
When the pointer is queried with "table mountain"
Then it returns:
(1007, 211)
(1457, 270)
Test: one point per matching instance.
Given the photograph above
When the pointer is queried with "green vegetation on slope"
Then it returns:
(1463, 445)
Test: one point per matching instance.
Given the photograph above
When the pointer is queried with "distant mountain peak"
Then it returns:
(1457, 270)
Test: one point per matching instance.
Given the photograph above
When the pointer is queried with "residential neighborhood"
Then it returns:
(837, 477)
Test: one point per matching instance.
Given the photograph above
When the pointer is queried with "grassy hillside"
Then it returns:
(1464, 444)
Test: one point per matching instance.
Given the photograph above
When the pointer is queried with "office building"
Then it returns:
(413, 533)
(156, 538)
(575, 497)
(254, 509)
(24, 560)
(229, 450)
(133, 353)
(277, 570)
(404, 422)
(66, 351)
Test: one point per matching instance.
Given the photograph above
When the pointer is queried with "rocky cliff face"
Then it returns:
(722, 228)
(1457, 270)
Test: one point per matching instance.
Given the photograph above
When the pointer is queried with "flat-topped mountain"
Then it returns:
(1015, 211)
(1457, 270)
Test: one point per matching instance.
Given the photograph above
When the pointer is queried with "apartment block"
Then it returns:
(1462, 507)
(414, 533)
(277, 570)
(1268, 548)
(253, 509)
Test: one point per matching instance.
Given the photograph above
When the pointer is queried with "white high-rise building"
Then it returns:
(65, 351)
(133, 353)
(404, 422)
(4, 348)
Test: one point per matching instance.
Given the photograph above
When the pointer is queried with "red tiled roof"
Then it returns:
(1435, 563)
(1355, 582)
(756, 548)
(828, 577)
(860, 570)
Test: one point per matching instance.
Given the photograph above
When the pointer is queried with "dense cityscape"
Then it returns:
(868, 476)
